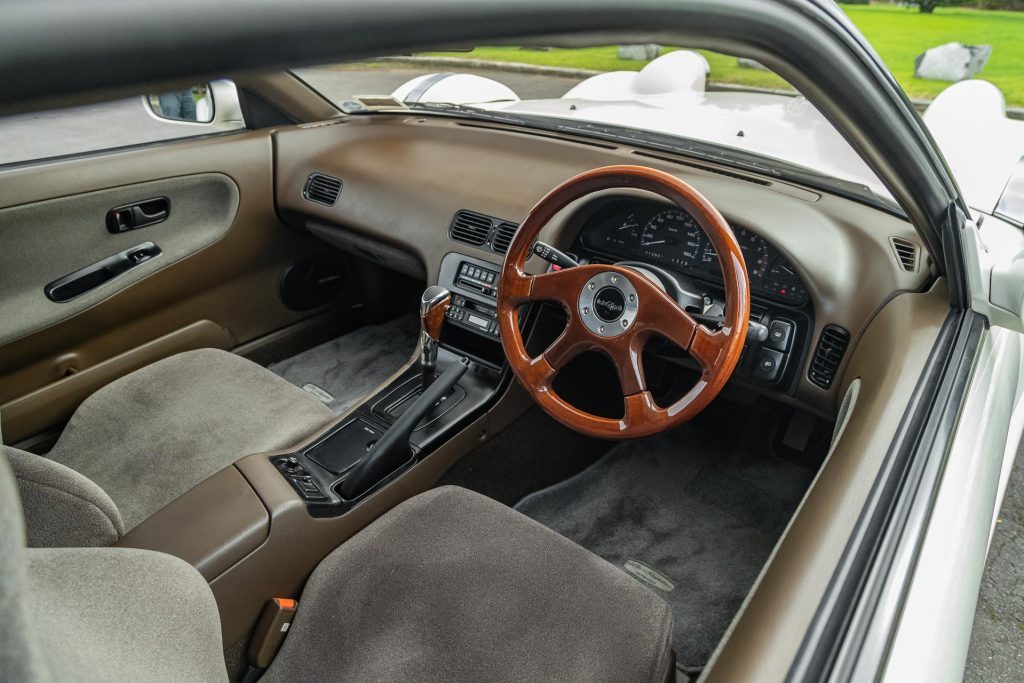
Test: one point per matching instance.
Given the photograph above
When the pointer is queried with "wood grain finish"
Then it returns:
(657, 314)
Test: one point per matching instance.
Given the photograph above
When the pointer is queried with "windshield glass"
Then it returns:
(674, 94)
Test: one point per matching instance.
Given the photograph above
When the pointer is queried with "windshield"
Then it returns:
(736, 106)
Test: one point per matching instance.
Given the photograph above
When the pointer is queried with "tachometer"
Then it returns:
(672, 237)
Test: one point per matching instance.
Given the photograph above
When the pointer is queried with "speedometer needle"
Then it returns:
(651, 244)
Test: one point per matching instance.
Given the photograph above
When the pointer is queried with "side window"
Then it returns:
(199, 110)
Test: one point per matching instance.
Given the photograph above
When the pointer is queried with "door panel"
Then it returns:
(224, 252)
(47, 240)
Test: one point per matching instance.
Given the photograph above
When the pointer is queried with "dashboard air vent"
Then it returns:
(471, 228)
(828, 355)
(503, 235)
(906, 253)
(322, 189)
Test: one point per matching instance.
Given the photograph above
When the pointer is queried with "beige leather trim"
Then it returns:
(223, 517)
(288, 93)
(888, 362)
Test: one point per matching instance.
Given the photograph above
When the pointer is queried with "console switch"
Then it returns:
(768, 365)
(780, 332)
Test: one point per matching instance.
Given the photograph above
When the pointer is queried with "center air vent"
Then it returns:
(469, 227)
(906, 253)
(322, 189)
(503, 235)
(828, 355)
(481, 230)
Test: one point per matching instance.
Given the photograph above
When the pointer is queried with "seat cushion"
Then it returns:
(451, 585)
(148, 437)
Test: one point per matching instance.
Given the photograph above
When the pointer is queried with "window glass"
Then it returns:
(671, 95)
(200, 110)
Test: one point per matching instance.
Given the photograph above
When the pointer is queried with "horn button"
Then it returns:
(608, 304)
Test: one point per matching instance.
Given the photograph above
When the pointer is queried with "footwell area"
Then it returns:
(346, 369)
(694, 514)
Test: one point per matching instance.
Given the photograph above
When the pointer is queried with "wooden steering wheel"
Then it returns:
(617, 310)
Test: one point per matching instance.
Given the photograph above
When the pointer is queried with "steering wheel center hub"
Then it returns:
(607, 304)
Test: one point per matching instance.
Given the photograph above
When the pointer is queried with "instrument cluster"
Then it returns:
(671, 238)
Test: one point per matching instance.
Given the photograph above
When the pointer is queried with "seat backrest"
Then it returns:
(100, 613)
(20, 659)
(60, 507)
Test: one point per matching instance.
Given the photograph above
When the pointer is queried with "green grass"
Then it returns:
(898, 34)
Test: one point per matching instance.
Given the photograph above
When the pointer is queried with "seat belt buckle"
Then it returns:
(270, 631)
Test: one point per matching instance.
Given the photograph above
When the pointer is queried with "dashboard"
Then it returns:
(671, 238)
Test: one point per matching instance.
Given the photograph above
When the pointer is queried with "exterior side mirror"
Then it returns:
(214, 105)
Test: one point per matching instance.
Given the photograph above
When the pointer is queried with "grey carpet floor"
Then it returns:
(703, 506)
(354, 364)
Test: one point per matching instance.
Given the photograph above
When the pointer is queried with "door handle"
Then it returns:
(138, 215)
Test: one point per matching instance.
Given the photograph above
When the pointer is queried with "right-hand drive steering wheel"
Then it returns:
(616, 310)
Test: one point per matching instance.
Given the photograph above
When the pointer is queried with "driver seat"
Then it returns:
(447, 586)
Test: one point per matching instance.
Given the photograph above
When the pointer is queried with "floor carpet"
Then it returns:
(701, 506)
(353, 365)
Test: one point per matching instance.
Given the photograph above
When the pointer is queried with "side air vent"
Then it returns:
(322, 189)
(471, 228)
(906, 253)
(828, 355)
(503, 235)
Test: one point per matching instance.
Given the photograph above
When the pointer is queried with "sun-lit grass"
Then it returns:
(898, 34)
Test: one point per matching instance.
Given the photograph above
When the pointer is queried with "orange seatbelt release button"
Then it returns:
(270, 631)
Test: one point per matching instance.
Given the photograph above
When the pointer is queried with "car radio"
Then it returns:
(475, 315)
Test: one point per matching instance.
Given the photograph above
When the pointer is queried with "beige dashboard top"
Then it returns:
(406, 175)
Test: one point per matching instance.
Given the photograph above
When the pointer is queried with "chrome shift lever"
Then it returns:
(433, 305)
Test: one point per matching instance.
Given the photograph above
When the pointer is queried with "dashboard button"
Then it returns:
(779, 334)
(769, 363)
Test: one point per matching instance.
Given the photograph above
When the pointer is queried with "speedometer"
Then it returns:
(672, 237)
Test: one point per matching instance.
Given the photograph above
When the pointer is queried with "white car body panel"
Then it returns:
(934, 631)
(968, 120)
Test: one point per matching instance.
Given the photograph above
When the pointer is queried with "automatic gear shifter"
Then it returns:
(433, 305)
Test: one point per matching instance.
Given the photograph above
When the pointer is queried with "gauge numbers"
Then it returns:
(672, 237)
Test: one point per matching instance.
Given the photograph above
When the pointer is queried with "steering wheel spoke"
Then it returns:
(708, 347)
(629, 363)
(569, 344)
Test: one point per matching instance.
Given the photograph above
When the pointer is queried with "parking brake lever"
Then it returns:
(393, 450)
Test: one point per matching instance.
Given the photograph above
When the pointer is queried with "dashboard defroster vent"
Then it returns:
(503, 235)
(322, 189)
(469, 227)
(906, 253)
(828, 355)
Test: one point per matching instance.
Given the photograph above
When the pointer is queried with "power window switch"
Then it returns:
(768, 365)
(308, 488)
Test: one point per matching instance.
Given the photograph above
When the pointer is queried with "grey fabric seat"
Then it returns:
(453, 586)
(447, 586)
(143, 440)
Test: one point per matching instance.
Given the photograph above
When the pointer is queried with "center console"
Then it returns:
(469, 335)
